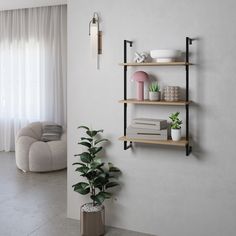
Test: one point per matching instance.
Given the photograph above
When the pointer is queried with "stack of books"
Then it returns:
(149, 129)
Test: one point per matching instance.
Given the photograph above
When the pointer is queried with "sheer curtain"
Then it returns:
(32, 69)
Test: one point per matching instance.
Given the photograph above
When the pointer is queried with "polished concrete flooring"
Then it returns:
(35, 204)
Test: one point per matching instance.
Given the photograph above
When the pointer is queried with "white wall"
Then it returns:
(18, 4)
(163, 192)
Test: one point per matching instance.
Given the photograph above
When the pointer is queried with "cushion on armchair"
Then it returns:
(51, 133)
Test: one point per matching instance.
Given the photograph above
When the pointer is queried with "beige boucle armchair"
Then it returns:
(34, 155)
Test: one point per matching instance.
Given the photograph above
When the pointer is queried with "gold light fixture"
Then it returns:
(95, 38)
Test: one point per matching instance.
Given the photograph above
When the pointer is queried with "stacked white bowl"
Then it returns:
(161, 55)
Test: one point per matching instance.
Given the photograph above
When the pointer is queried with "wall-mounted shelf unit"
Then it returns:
(184, 142)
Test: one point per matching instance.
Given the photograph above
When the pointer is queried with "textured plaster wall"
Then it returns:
(163, 192)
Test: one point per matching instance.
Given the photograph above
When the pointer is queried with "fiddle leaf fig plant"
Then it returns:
(176, 122)
(100, 177)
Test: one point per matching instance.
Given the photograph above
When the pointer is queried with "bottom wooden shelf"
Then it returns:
(182, 143)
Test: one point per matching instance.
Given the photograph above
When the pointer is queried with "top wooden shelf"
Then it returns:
(181, 63)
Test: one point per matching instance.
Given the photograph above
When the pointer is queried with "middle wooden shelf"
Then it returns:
(149, 102)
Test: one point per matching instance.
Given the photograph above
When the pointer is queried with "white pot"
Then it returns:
(154, 96)
(176, 134)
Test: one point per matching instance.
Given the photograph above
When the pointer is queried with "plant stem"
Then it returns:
(93, 194)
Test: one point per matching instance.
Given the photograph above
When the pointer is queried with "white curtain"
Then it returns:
(32, 69)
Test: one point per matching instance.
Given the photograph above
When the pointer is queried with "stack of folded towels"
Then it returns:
(149, 129)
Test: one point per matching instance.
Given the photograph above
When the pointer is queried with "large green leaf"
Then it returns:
(98, 149)
(96, 164)
(95, 150)
(91, 175)
(85, 157)
(110, 164)
(85, 144)
(82, 169)
(102, 174)
(88, 139)
(78, 163)
(112, 176)
(82, 188)
(100, 140)
(83, 127)
(106, 195)
(111, 184)
(114, 169)
(92, 133)
(97, 160)
(101, 179)
(98, 185)
(99, 198)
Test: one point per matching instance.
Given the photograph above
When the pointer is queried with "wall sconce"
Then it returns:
(95, 38)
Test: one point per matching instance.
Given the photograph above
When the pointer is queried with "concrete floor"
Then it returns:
(35, 204)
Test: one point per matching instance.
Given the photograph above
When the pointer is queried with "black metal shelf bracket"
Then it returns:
(130, 43)
(187, 147)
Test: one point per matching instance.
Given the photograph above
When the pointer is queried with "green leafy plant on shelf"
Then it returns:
(154, 87)
(100, 176)
(176, 122)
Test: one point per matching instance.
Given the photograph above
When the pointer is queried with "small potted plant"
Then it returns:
(100, 177)
(175, 126)
(154, 92)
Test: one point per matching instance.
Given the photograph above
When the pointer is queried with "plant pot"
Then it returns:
(176, 134)
(154, 96)
(92, 220)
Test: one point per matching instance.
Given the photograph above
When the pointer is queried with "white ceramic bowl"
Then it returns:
(165, 55)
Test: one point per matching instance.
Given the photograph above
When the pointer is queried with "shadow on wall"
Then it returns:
(198, 107)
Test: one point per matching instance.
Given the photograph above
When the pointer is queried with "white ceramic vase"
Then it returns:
(176, 134)
(154, 96)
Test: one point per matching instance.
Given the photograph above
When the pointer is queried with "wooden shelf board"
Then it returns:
(148, 102)
(179, 63)
(182, 143)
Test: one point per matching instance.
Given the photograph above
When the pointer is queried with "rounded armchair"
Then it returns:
(35, 155)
